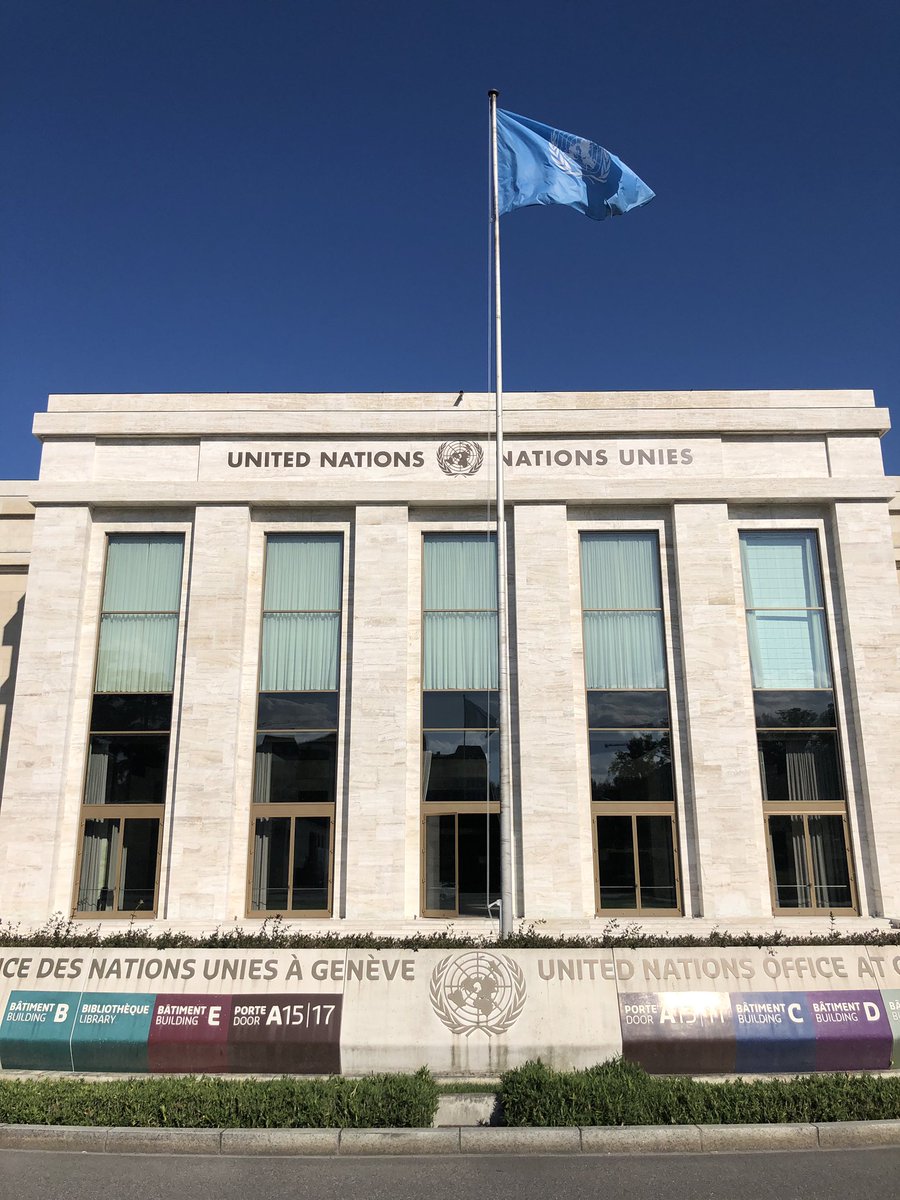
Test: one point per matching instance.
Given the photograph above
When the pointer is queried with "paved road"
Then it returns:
(792, 1175)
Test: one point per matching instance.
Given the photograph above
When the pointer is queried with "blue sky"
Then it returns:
(267, 195)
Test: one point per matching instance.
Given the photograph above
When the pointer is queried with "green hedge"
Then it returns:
(277, 934)
(407, 1101)
(622, 1093)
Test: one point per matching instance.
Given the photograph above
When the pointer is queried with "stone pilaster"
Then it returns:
(869, 638)
(723, 766)
(206, 834)
(39, 815)
(381, 825)
(555, 831)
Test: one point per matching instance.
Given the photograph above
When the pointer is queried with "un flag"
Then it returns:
(541, 165)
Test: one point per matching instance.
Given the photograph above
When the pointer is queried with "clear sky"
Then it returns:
(288, 195)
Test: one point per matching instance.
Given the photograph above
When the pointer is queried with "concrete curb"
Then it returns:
(635, 1139)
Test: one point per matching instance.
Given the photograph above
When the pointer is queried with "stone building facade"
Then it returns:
(256, 673)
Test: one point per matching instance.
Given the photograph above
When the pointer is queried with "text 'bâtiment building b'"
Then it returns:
(255, 668)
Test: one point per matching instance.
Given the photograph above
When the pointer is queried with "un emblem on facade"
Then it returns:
(478, 991)
(460, 458)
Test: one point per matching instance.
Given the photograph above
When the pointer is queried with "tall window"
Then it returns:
(802, 782)
(131, 718)
(296, 726)
(460, 761)
(632, 795)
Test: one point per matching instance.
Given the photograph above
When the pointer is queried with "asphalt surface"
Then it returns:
(795, 1175)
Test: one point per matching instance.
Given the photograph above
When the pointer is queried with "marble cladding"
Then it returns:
(870, 660)
(381, 816)
(35, 866)
(809, 459)
(201, 876)
(732, 879)
(555, 823)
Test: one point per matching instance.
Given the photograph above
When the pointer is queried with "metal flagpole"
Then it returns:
(506, 857)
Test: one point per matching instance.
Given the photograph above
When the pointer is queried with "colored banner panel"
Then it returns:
(36, 1029)
(678, 1033)
(852, 1031)
(291, 1034)
(189, 1033)
(890, 997)
(110, 1031)
(775, 1032)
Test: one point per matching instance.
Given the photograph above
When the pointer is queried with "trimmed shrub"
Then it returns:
(405, 1101)
(278, 934)
(622, 1093)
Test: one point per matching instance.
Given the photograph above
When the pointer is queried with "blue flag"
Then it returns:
(540, 165)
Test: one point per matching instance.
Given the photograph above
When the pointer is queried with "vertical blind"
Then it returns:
(460, 597)
(302, 613)
(139, 621)
(622, 601)
(785, 612)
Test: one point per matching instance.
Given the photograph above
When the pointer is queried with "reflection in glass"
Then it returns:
(460, 710)
(131, 712)
(272, 873)
(297, 710)
(440, 863)
(127, 769)
(800, 766)
(788, 837)
(96, 888)
(271, 858)
(462, 765)
(295, 768)
(632, 765)
(794, 710)
(311, 852)
(628, 710)
(829, 857)
(656, 862)
(466, 884)
(137, 874)
(615, 854)
(105, 844)
(479, 863)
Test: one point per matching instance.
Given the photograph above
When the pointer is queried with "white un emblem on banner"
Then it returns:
(478, 991)
(580, 157)
(460, 458)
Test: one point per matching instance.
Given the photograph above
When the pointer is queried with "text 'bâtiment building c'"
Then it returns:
(255, 668)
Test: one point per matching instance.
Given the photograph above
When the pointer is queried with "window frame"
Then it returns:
(125, 811)
(804, 808)
(650, 809)
(273, 811)
(600, 808)
(438, 808)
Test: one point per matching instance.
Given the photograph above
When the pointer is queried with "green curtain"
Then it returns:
(622, 598)
(302, 621)
(460, 630)
(620, 570)
(781, 569)
(460, 650)
(303, 573)
(624, 650)
(460, 572)
(300, 652)
(137, 653)
(788, 650)
(785, 614)
(143, 573)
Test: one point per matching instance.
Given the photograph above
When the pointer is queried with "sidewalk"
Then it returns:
(454, 1139)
